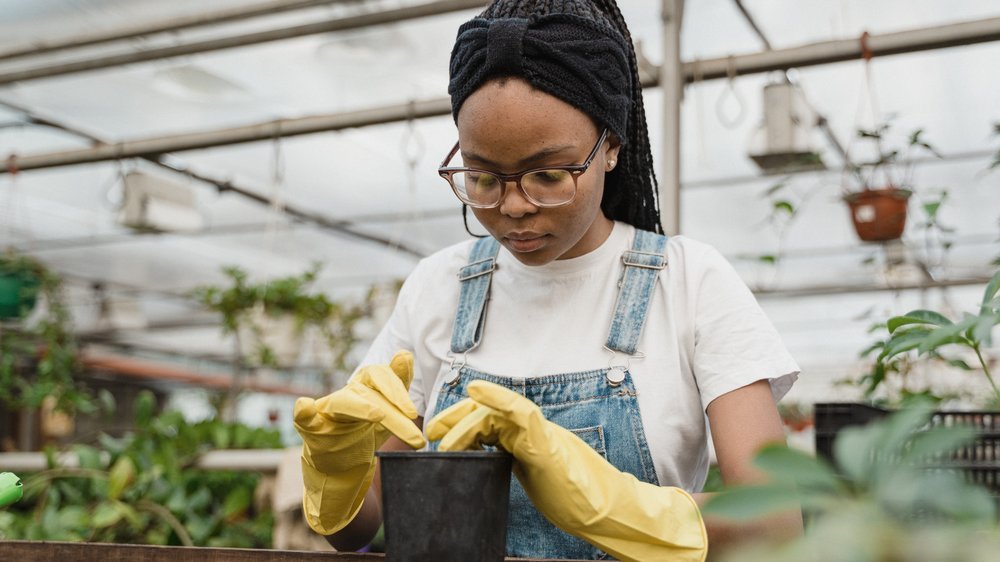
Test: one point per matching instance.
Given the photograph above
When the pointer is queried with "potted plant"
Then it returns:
(879, 205)
(38, 354)
(885, 497)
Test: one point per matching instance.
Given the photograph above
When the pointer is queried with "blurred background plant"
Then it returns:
(144, 488)
(889, 496)
(38, 349)
(918, 340)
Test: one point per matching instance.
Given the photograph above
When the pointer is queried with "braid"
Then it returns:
(631, 192)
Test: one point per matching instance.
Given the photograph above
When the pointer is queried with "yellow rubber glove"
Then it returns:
(571, 483)
(340, 434)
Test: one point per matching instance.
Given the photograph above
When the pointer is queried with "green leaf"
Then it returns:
(783, 205)
(944, 335)
(789, 465)
(918, 317)
(853, 450)
(145, 404)
(236, 503)
(751, 502)
(105, 514)
(904, 340)
(982, 330)
(959, 364)
(89, 457)
(73, 517)
(120, 477)
(936, 443)
(991, 288)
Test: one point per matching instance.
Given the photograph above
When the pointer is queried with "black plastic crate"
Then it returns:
(980, 460)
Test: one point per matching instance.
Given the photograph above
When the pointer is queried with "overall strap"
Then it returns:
(475, 278)
(642, 265)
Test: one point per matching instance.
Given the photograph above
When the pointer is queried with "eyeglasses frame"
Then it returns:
(575, 170)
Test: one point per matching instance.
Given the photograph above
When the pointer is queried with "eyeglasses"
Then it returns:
(543, 187)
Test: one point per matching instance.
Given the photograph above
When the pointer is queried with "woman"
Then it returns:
(606, 345)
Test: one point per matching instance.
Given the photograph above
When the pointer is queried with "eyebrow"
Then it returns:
(524, 162)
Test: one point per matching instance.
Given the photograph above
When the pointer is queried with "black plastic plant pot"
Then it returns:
(445, 506)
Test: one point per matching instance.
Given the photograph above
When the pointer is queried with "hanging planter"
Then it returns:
(878, 204)
(18, 292)
(277, 337)
(879, 215)
(20, 283)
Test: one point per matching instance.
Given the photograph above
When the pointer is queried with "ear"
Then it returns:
(613, 147)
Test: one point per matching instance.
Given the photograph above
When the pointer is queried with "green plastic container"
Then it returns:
(18, 294)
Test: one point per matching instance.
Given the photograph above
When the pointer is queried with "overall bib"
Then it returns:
(599, 406)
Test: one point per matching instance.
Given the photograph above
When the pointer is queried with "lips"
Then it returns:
(525, 241)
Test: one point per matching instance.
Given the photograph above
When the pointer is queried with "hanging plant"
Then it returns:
(253, 309)
(20, 278)
(38, 354)
(879, 202)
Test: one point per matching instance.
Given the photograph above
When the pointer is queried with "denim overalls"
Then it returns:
(599, 406)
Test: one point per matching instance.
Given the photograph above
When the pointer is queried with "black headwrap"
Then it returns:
(585, 63)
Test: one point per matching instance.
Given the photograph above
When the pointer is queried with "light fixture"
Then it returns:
(785, 140)
(155, 203)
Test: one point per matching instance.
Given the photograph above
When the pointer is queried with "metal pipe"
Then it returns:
(242, 40)
(245, 460)
(828, 290)
(226, 185)
(826, 52)
(671, 81)
(709, 69)
(42, 46)
(155, 147)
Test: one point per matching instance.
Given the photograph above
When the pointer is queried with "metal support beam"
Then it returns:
(671, 81)
(338, 24)
(41, 46)
(967, 33)
(827, 52)
(248, 460)
(156, 147)
(343, 227)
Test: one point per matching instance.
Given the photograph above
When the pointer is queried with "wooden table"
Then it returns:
(45, 551)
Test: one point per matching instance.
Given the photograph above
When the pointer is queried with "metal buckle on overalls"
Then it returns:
(616, 373)
(454, 375)
(630, 253)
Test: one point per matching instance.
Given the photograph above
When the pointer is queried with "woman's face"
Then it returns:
(507, 126)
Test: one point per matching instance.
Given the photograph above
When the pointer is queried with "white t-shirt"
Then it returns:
(705, 335)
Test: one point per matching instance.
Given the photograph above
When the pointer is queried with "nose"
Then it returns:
(514, 204)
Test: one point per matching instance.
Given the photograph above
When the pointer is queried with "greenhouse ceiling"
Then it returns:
(287, 132)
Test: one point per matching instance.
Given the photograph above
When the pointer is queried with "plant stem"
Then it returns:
(986, 370)
(169, 518)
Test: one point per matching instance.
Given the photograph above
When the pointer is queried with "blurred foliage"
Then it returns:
(888, 499)
(292, 295)
(38, 353)
(921, 336)
(143, 488)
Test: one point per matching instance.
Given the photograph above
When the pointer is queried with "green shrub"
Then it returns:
(142, 488)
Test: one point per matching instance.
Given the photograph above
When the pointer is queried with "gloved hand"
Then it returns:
(570, 483)
(340, 434)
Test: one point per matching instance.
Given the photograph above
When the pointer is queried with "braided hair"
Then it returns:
(630, 190)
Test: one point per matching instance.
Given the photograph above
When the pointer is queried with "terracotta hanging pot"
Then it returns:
(879, 214)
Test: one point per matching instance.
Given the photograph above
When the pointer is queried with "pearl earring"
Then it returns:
(611, 164)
